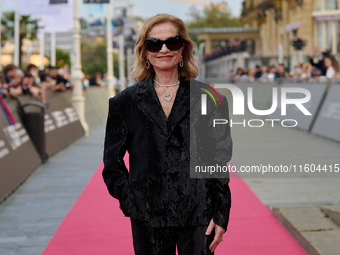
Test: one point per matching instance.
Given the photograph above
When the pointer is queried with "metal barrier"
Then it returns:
(62, 125)
(58, 125)
(324, 105)
(18, 156)
(327, 123)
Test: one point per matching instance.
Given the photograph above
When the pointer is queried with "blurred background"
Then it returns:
(61, 60)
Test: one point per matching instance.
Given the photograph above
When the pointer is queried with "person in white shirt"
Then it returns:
(332, 67)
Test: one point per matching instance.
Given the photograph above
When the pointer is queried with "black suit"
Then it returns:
(158, 191)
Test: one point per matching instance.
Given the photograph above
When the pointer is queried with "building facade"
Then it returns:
(283, 22)
(215, 37)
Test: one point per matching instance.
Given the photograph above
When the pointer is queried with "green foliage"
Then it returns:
(63, 58)
(83, 23)
(94, 58)
(28, 28)
(217, 15)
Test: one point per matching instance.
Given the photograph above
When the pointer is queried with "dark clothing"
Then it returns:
(7, 79)
(93, 82)
(320, 65)
(158, 190)
(281, 75)
(60, 79)
(25, 90)
(156, 241)
(258, 74)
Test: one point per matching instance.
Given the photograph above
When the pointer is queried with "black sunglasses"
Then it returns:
(172, 43)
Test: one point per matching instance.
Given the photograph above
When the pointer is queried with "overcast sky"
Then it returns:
(148, 8)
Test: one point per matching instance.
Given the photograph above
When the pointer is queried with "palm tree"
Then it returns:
(28, 29)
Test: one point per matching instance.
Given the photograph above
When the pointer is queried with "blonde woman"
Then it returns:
(151, 120)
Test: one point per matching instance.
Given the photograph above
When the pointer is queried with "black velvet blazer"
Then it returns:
(157, 189)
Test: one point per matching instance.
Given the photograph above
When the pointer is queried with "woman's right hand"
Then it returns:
(219, 231)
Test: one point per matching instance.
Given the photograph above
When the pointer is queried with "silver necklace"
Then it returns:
(167, 96)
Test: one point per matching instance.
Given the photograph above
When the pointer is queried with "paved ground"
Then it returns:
(285, 146)
(30, 218)
(314, 226)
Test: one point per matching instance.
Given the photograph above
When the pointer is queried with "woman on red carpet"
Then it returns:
(151, 121)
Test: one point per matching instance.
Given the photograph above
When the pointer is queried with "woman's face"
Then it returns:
(165, 59)
(328, 62)
(25, 81)
(17, 79)
(280, 69)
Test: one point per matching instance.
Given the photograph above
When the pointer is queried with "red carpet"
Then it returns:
(96, 226)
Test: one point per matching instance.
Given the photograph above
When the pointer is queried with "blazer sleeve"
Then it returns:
(222, 146)
(115, 173)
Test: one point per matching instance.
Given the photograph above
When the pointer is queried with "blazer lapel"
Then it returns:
(148, 102)
(181, 105)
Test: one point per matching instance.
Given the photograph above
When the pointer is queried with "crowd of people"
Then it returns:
(15, 81)
(98, 79)
(325, 69)
(34, 82)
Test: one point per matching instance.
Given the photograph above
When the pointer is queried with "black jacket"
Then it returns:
(157, 190)
(320, 65)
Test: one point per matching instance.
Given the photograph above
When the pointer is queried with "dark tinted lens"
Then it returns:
(153, 45)
(174, 43)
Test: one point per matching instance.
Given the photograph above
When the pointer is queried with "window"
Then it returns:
(332, 4)
(318, 5)
(329, 36)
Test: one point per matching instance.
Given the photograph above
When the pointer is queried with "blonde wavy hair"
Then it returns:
(189, 69)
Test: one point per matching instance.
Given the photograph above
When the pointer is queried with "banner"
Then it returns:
(62, 125)
(35, 7)
(58, 1)
(39, 10)
(96, 1)
(327, 123)
(59, 23)
(327, 18)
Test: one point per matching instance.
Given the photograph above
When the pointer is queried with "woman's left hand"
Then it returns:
(219, 231)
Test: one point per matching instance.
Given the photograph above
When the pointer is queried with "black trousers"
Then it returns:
(163, 241)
